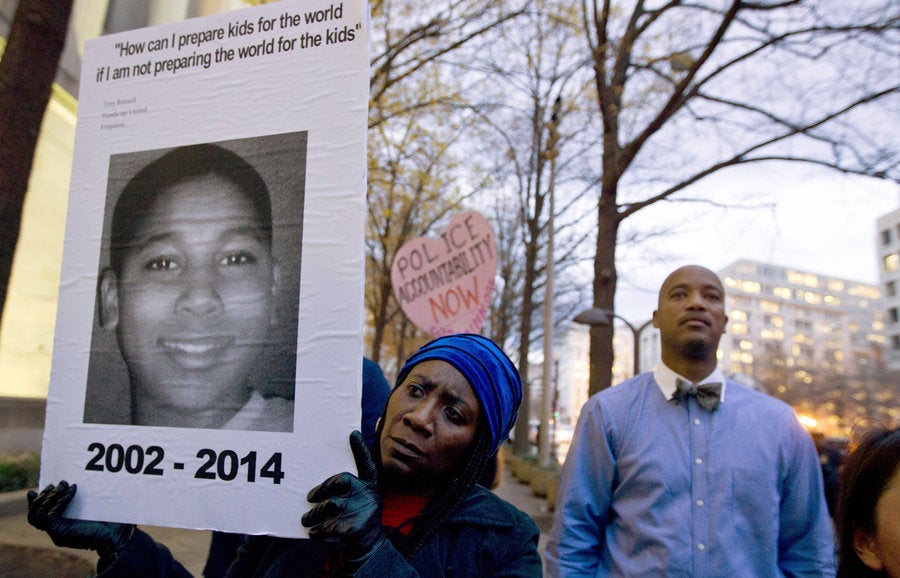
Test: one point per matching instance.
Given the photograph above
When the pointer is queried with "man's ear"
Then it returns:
(108, 289)
(867, 550)
(655, 324)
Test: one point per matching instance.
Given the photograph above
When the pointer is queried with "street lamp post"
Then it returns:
(603, 317)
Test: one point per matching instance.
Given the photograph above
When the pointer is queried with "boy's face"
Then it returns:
(195, 298)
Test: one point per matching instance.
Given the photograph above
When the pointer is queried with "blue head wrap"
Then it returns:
(488, 370)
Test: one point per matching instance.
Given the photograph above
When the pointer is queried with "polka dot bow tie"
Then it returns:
(707, 394)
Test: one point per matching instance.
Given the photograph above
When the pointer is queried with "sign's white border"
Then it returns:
(319, 89)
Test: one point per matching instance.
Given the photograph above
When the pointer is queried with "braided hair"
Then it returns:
(442, 507)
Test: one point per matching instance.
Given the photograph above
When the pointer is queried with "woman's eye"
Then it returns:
(241, 258)
(455, 415)
(415, 390)
(161, 264)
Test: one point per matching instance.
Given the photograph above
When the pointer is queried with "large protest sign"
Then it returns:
(207, 358)
(444, 285)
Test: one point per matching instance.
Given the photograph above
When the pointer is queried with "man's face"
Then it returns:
(194, 301)
(430, 422)
(691, 313)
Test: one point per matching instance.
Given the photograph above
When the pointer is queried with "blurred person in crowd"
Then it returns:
(868, 508)
(682, 472)
(830, 461)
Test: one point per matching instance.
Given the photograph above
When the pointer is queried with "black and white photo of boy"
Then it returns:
(192, 286)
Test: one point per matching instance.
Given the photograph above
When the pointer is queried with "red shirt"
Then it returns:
(397, 513)
(399, 510)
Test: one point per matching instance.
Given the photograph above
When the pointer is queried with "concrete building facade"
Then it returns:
(888, 243)
(816, 341)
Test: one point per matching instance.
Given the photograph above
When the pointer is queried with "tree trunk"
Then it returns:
(29, 64)
(605, 278)
(521, 442)
(380, 316)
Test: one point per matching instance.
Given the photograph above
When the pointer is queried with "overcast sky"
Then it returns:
(818, 221)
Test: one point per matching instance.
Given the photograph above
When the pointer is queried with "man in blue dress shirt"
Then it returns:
(681, 472)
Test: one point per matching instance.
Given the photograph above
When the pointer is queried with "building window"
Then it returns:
(895, 342)
(893, 315)
(890, 289)
(771, 272)
(867, 291)
(891, 262)
(776, 334)
(739, 329)
(886, 237)
(798, 278)
(809, 297)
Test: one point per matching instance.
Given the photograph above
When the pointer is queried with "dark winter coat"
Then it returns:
(485, 536)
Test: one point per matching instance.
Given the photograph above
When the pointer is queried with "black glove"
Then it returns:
(45, 512)
(347, 508)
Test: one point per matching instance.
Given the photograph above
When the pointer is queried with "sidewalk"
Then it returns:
(521, 496)
(188, 546)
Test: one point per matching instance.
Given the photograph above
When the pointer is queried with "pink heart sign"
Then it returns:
(444, 285)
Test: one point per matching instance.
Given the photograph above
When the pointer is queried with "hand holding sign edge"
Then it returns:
(348, 508)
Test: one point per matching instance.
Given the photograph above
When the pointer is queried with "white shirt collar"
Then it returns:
(665, 378)
(263, 414)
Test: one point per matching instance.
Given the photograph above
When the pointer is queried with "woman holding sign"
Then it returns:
(413, 509)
